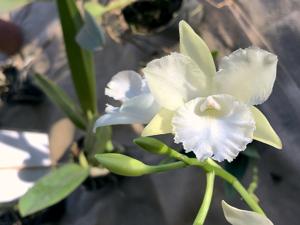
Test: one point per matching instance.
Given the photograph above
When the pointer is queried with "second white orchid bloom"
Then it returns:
(137, 103)
(210, 112)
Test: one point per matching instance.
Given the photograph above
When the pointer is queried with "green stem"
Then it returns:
(83, 161)
(209, 165)
(166, 167)
(251, 202)
(210, 179)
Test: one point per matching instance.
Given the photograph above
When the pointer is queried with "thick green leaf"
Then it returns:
(9, 5)
(52, 188)
(80, 61)
(58, 96)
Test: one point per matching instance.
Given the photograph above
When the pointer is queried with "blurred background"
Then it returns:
(34, 39)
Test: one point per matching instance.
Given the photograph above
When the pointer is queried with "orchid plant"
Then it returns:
(82, 115)
(210, 112)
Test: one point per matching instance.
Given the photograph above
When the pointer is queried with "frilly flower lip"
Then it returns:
(210, 112)
(217, 126)
(236, 216)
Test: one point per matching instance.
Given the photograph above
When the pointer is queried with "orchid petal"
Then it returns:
(140, 109)
(237, 216)
(264, 131)
(160, 124)
(218, 126)
(125, 85)
(247, 74)
(174, 80)
(193, 46)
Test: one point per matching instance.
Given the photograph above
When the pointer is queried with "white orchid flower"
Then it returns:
(138, 104)
(210, 112)
(237, 216)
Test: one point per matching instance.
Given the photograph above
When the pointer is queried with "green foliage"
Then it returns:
(98, 142)
(52, 188)
(80, 61)
(215, 54)
(58, 96)
(10, 5)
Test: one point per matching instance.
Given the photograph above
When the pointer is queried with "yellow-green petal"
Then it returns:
(264, 131)
(237, 216)
(194, 47)
(160, 124)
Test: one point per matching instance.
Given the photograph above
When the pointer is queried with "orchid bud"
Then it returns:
(152, 145)
(123, 165)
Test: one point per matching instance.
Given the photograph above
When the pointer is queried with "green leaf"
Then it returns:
(215, 54)
(59, 97)
(80, 61)
(52, 188)
(98, 142)
(90, 36)
(10, 5)
(103, 140)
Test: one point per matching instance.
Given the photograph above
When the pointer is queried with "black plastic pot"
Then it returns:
(149, 16)
(50, 215)
(20, 89)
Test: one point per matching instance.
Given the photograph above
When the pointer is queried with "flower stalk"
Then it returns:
(155, 146)
(211, 166)
(210, 179)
